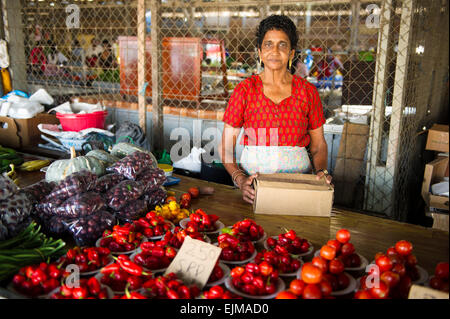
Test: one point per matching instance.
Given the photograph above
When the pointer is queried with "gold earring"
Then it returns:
(290, 63)
(260, 62)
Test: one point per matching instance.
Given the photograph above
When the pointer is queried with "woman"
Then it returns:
(281, 115)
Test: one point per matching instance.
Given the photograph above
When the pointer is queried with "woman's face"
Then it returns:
(275, 50)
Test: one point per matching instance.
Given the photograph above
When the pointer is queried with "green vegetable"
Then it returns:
(30, 247)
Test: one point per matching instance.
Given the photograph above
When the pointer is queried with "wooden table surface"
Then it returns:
(369, 234)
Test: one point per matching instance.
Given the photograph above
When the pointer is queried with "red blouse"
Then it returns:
(290, 120)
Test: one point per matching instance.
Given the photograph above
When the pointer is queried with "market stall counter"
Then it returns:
(370, 234)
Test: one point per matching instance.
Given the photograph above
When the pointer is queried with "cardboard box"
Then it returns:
(435, 171)
(437, 138)
(440, 220)
(292, 194)
(17, 133)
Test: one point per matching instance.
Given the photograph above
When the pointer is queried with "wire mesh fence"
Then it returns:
(379, 66)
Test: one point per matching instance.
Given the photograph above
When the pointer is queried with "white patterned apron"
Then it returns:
(275, 159)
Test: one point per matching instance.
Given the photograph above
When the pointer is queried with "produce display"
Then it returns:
(288, 242)
(103, 156)
(87, 289)
(217, 292)
(29, 247)
(7, 187)
(234, 249)
(38, 280)
(60, 169)
(132, 165)
(155, 255)
(169, 287)
(88, 259)
(396, 270)
(152, 178)
(31, 166)
(123, 149)
(38, 191)
(132, 210)
(440, 279)
(172, 211)
(152, 225)
(86, 230)
(176, 237)
(255, 279)
(122, 238)
(81, 205)
(107, 181)
(343, 249)
(9, 157)
(15, 209)
(247, 230)
(123, 227)
(155, 197)
(284, 263)
(127, 190)
(123, 274)
(201, 221)
(73, 184)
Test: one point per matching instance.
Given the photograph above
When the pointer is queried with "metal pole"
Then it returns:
(141, 64)
(157, 106)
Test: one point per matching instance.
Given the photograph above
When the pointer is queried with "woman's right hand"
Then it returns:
(245, 185)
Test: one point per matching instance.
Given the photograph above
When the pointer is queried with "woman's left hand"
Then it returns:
(321, 174)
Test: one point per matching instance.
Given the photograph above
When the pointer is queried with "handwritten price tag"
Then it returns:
(419, 292)
(194, 262)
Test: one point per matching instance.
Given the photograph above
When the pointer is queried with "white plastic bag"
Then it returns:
(41, 96)
(192, 162)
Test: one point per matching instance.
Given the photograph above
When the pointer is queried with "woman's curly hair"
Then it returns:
(277, 22)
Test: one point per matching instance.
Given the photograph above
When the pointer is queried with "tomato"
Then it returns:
(343, 281)
(334, 243)
(328, 252)
(343, 236)
(321, 263)
(399, 269)
(363, 282)
(362, 294)
(390, 278)
(297, 286)
(312, 291)
(396, 258)
(380, 292)
(332, 280)
(311, 274)
(404, 247)
(194, 191)
(170, 198)
(325, 288)
(347, 249)
(436, 283)
(441, 270)
(403, 287)
(411, 260)
(391, 251)
(354, 260)
(186, 197)
(336, 266)
(384, 263)
(286, 295)
(378, 254)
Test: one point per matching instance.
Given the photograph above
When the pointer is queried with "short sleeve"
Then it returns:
(315, 116)
(234, 113)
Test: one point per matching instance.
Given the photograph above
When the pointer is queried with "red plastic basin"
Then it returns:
(78, 122)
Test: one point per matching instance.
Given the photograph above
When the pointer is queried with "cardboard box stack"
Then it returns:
(435, 185)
